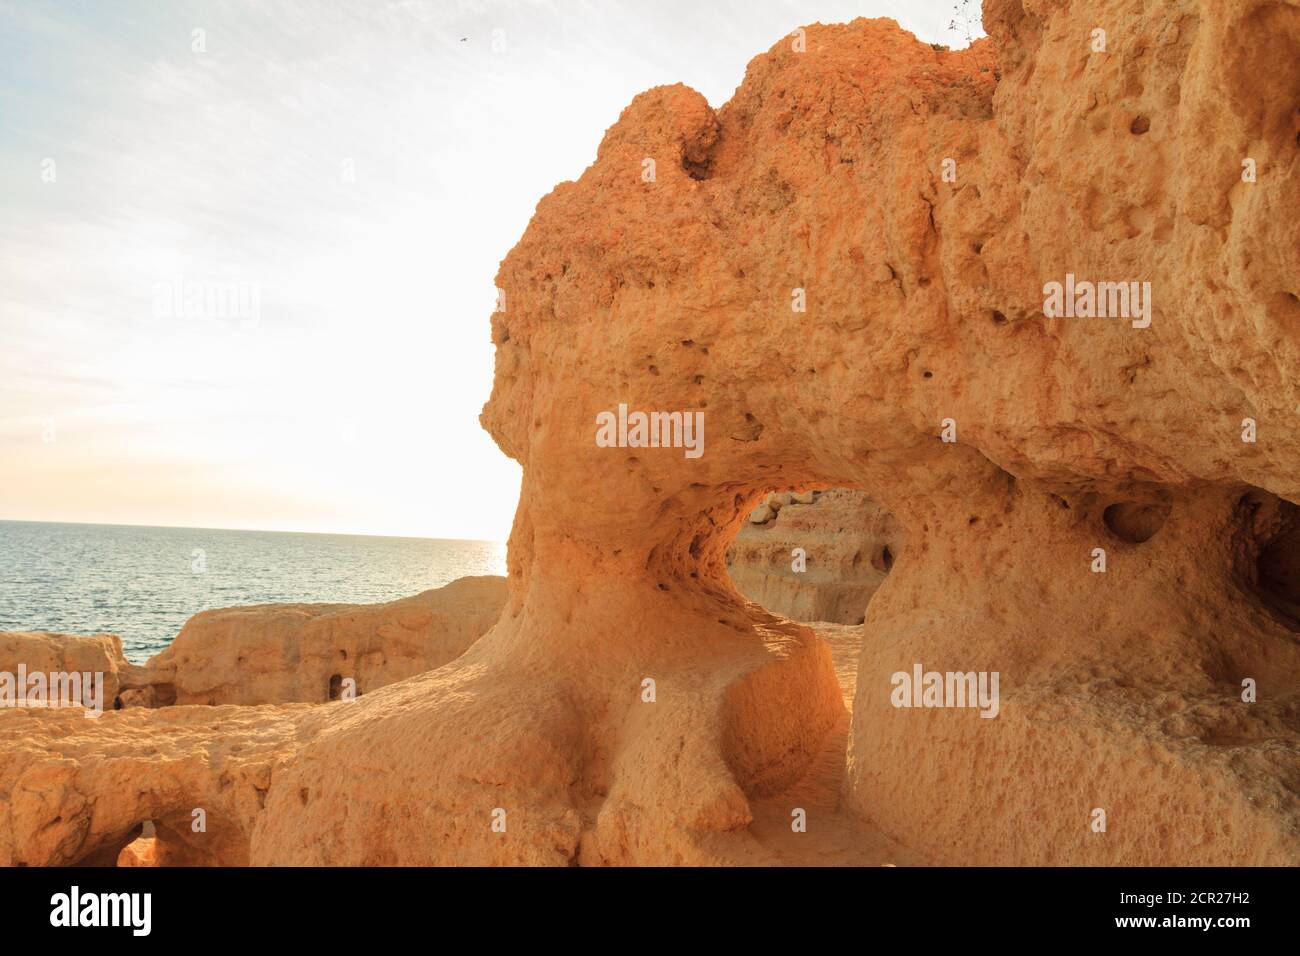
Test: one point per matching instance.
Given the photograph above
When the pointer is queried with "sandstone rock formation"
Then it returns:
(64, 808)
(1121, 690)
(48, 653)
(925, 302)
(78, 791)
(277, 653)
(849, 543)
(281, 653)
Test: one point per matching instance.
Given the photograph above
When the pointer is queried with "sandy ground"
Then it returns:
(832, 838)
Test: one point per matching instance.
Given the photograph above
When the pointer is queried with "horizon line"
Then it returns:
(169, 527)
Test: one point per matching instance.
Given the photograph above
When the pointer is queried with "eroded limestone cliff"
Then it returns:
(40, 652)
(1121, 690)
(282, 653)
(275, 653)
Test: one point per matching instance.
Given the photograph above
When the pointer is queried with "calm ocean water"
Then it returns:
(143, 583)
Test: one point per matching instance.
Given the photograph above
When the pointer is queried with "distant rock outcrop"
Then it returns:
(276, 653)
(815, 556)
(46, 653)
(314, 653)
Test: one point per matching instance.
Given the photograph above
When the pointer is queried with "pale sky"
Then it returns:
(351, 174)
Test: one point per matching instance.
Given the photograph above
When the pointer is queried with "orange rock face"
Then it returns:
(845, 270)
(82, 793)
(282, 653)
(87, 657)
(276, 653)
(917, 203)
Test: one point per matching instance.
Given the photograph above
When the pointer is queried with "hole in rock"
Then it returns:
(336, 686)
(701, 169)
(800, 554)
(1272, 527)
(1283, 308)
(1135, 522)
(1279, 562)
(141, 850)
(1139, 125)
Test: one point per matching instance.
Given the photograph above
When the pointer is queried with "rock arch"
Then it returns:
(924, 303)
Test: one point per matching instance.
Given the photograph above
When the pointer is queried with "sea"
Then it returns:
(143, 583)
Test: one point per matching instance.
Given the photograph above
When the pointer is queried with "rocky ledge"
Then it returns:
(1099, 510)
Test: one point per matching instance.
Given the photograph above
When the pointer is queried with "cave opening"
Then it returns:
(815, 556)
(1275, 556)
(1136, 522)
(818, 558)
(139, 851)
